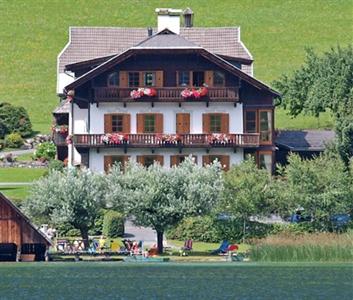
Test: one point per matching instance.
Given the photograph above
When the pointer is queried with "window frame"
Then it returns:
(115, 73)
(219, 116)
(138, 79)
(270, 122)
(214, 77)
(154, 123)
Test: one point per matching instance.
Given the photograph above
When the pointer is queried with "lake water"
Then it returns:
(116, 280)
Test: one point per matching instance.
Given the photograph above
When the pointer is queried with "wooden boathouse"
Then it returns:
(19, 238)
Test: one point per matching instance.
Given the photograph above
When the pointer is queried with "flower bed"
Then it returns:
(168, 138)
(219, 138)
(62, 129)
(194, 93)
(114, 138)
(140, 92)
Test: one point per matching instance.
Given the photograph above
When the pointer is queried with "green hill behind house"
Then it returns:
(33, 32)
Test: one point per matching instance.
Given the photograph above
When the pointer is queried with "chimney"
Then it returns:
(169, 18)
(188, 17)
(149, 31)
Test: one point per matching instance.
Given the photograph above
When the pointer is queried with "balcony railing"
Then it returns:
(165, 94)
(158, 140)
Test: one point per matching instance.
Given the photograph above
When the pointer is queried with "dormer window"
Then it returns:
(113, 79)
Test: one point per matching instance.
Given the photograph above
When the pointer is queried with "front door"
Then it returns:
(182, 123)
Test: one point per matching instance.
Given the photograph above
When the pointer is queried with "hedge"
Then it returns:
(113, 224)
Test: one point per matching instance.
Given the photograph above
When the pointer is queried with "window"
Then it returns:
(265, 124)
(134, 79)
(113, 79)
(148, 160)
(183, 78)
(198, 78)
(215, 123)
(218, 78)
(117, 123)
(149, 78)
(265, 160)
(110, 161)
(150, 124)
(224, 160)
(250, 121)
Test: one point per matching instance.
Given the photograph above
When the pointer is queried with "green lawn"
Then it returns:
(20, 174)
(205, 247)
(16, 193)
(33, 32)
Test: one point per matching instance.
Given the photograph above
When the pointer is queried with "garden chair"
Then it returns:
(223, 248)
(186, 248)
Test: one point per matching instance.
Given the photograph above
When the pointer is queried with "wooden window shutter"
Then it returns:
(225, 123)
(140, 159)
(140, 120)
(123, 79)
(206, 123)
(159, 78)
(205, 160)
(160, 159)
(108, 161)
(225, 162)
(126, 123)
(173, 160)
(108, 123)
(209, 78)
(182, 123)
(159, 123)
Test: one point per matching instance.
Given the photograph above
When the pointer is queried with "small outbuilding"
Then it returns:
(19, 238)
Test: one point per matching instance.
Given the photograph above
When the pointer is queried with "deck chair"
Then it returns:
(93, 247)
(223, 248)
(114, 246)
(187, 245)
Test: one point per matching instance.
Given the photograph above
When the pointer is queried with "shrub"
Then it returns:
(210, 229)
(14, 119)
(113, 224)
(56, 165)
(97, 228)
(13, 140)
(45, 151)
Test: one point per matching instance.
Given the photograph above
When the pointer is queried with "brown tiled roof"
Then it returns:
(93, 42)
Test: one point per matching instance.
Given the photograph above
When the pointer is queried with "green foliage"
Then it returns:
(14, 119)
(56, 165)
(113, 224)
(210, 229)
(322, 187)
(14, 140)
(73, 197)
(160, 197)
(247, 191)
(324, 83)
(45, 151)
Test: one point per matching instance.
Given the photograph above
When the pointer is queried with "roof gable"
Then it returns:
(203, 52)
(19, 212)
(165, 39)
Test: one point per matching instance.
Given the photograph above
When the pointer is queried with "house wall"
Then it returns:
(169, 111)
(96, 160)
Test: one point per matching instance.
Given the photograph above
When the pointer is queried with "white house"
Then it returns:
(161, 95)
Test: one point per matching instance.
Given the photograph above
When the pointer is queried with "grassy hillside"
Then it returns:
(33, 32)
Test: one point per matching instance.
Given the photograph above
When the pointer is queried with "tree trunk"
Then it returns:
(84, 235)
(160, 241)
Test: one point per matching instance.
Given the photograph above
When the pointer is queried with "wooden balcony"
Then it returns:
(165, 94)
(59, 139)
(167, 141)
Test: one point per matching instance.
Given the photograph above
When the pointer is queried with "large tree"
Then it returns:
(322, 187)
(73, 197)
(247, 191)
(159, 197)
(324, 83)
